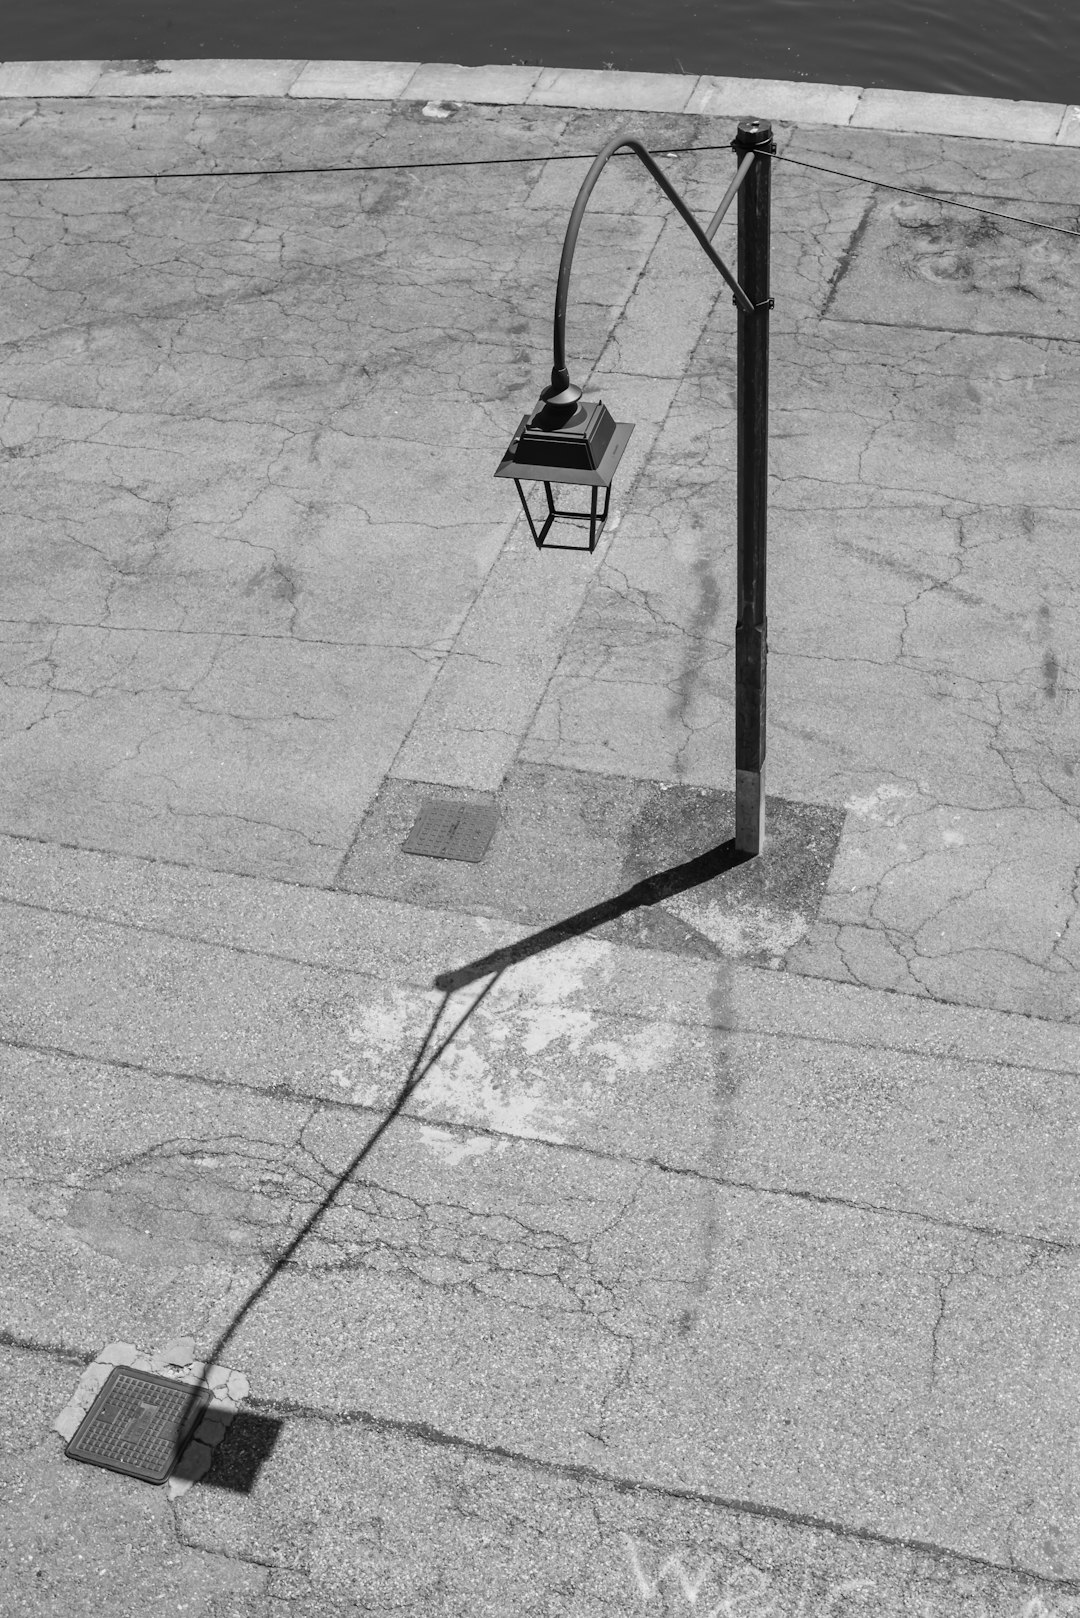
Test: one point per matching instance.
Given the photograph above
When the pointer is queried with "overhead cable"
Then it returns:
(485, 162)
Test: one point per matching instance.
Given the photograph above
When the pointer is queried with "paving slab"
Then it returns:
(59, 78)
(961, 115)
(492, 84)
(353, 80)
(782, 99)
(234, 76)
(585, 87)
(108, 774)
(947, 270)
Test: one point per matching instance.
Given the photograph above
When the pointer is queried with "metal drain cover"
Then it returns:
(452, 831)
(138, 1424)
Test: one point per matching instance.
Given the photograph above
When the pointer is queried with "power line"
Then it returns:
(487, 162)
(338, 168)
(927, 196)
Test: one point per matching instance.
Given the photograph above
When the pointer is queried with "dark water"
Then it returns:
(971, 47)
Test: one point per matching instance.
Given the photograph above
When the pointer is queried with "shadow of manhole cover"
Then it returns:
(138, 1424)
(452, 831)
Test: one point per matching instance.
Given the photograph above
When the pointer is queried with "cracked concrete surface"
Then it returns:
(721, 1257)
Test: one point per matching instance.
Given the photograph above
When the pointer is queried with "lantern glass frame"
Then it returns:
(595, 480)
(595, 519)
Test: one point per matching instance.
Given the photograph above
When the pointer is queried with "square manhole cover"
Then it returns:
(452, 831)
(138, 1424)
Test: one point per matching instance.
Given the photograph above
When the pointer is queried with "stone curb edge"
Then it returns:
(837, 105)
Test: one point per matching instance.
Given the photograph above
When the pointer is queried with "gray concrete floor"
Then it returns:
(718, 1252)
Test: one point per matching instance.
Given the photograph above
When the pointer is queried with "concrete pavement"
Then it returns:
(715, 1251)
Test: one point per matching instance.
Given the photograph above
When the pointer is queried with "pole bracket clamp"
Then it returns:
(769, 303)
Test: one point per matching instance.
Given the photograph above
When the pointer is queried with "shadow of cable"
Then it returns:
(254, 1437)
(424, 1060)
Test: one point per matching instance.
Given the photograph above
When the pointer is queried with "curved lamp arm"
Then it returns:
(561, 391)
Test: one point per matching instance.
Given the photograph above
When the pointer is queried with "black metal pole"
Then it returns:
(751, 645)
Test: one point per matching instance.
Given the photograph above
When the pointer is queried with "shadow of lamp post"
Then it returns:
(563, 441)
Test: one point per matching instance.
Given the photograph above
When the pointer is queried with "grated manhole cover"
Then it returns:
(452, 831)
(138, 1424)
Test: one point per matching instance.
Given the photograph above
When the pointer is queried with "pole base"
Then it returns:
(750, 810)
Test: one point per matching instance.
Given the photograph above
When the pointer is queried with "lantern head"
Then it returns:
(565, 442)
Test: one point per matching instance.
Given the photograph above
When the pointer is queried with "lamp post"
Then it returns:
(752, 486)
(565, 441)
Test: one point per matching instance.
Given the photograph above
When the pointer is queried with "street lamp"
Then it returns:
(565, 441)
